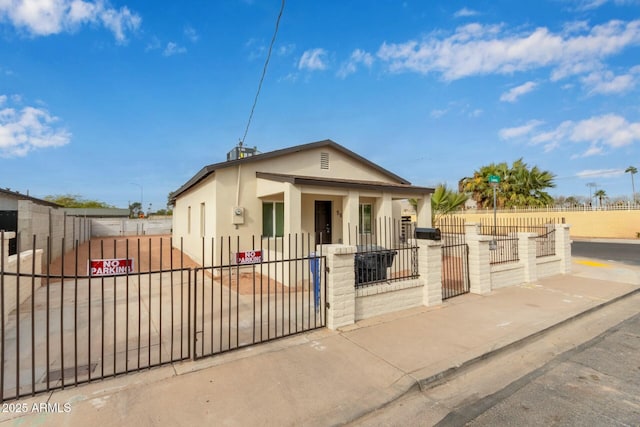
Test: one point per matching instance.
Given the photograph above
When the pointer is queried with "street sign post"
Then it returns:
(494, 180)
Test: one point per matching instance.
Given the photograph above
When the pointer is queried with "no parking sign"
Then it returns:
(110, 267)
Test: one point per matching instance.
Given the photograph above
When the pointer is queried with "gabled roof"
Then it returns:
(19, 196)
(208, 170)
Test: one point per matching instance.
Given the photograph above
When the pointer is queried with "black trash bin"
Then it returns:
(372, 262)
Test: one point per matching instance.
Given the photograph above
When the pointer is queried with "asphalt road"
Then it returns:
(586, 372)
(597, 384)
(627, 253)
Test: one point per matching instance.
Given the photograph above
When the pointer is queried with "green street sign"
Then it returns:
(494, 179)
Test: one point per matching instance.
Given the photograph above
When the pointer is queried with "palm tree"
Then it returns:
(600, 194)
(443, 202)
(519, 185)
(632, 170)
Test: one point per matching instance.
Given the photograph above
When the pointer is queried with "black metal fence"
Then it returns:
(455, 257)
(114, 306)
(505, 244)
(279, 291)
(388, 253)
(546, 241)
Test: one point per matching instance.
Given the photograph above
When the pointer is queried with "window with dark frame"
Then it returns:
(272, 219)
(364, 219)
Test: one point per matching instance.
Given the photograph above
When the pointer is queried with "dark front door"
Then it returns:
(323, 221)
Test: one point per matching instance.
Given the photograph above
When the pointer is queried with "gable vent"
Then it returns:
(324, 160)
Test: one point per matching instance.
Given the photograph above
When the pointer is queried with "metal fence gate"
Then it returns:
(82, 321)
(279, 291)
(455, 258)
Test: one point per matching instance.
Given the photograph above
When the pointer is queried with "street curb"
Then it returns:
(441, 377)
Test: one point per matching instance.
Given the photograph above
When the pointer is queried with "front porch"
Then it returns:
(335, 211)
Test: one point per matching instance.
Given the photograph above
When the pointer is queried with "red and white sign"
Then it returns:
(248, 257)
(110, 267)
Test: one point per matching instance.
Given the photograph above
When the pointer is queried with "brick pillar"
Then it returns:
(479, 259)
(341, 285)
(563, 247)
(527, 255)
(430, 270)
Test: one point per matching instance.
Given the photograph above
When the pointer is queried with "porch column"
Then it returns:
(292, 209)
(384, 208)
(350, 217)
(423, 211)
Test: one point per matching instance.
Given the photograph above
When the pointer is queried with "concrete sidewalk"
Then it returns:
(328, 378)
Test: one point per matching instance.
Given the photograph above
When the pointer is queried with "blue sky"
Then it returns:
(108, 100)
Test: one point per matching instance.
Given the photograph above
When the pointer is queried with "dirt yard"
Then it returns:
(153, 254)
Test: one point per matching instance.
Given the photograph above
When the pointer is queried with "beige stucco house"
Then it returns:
(321, 189)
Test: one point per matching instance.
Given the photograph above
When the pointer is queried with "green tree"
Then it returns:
(166, 212)
(135, 209)
(519, 185)
(444, 201)
(632, 170)
(75, 201)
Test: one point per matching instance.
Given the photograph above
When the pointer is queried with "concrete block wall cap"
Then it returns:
(425, 242)
(339, 249)
(9, 234)
(527, 235)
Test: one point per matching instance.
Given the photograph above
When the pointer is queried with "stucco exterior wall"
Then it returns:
(108, 227)
(18, 289)
(237, 186)
(187, 222)
(43, 221)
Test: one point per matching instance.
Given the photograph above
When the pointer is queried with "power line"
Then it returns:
(264, 72)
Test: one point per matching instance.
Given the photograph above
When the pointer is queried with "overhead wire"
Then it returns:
(264, 72)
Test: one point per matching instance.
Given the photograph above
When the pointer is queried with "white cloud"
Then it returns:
(465, 12)
(285, 50)
(594, 4)
(436, 114)
(519, 131)
(313, 60)
(608, 131)
(605, 82)
(28, 129)
(173, 49)
(191, 34)
(357, 57)
(600, 173)
(46, 17)
(476, 49)
(514, 93)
